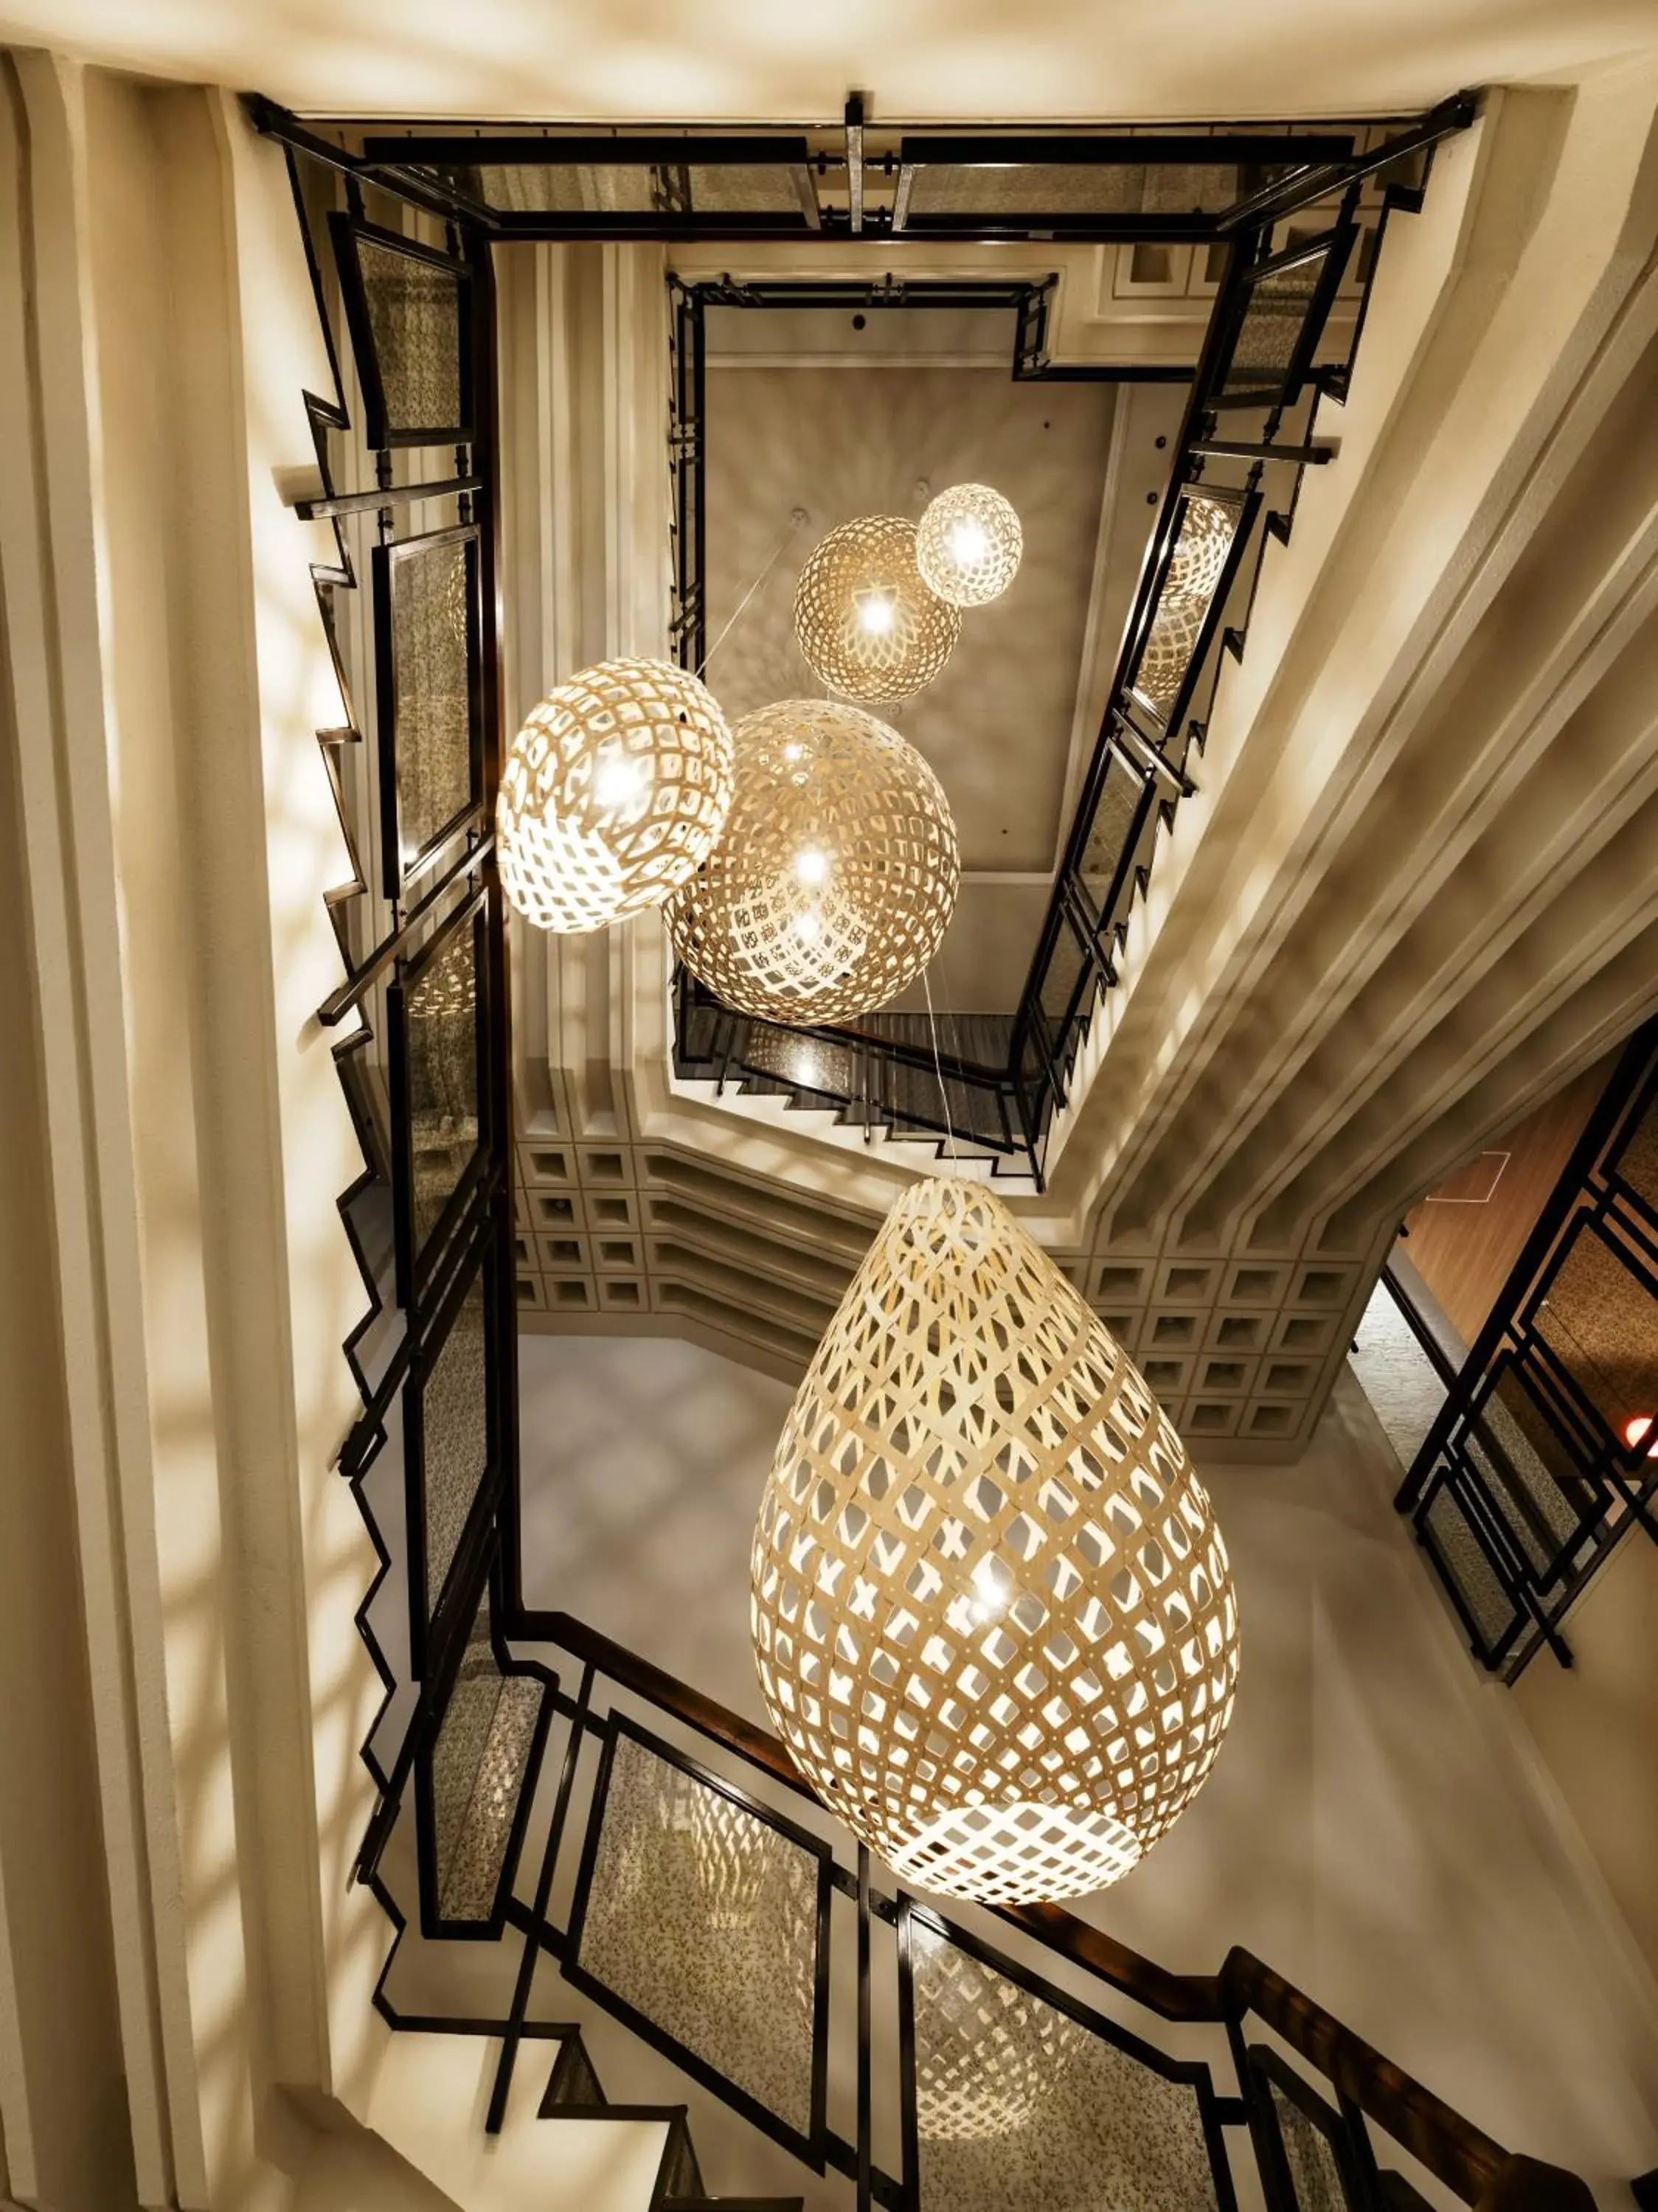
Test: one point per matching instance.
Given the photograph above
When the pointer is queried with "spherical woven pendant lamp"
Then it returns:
(614, 792)
(992, 1613)
(868, 624)
(837, 873)
(968, 544)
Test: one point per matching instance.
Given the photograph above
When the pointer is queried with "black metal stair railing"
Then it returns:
(1258, 373)
(405, 599)
(685, 1883)
(711, 1907)
(888, 1073)
(1539, 1460)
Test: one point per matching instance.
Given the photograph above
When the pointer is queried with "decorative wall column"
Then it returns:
(165, 681)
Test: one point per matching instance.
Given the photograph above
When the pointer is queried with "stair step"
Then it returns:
(574, 2083)
(681, 2178)
(428, 2101)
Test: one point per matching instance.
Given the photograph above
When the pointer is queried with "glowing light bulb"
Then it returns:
(619, 782)
(1635, 1431)
(968, 545)
(991, 1587)
(793, 750)
(811, 865)
(807, 927)
(613, 793)
(968, 541)
(876, 614)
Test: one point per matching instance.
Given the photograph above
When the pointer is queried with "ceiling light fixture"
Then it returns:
(614, 792)
(836, 876)
(868, 624)
(968, 544)
(992, 1612)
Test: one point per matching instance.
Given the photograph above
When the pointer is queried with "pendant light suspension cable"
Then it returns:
(943, 1098)
(797, 522)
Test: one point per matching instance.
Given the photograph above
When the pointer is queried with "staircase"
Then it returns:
(702, 1917)
(667, 1832)
(573, 2092)
(878, 1087)
(563, 2146)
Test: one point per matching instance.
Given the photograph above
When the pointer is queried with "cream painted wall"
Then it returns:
(166, 676)
(1595, 1727)
(844, 441)
(1372, 1829)
(63, 2123)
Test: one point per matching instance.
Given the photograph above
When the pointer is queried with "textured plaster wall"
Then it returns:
(168, 676)
(1596, 1727)
(63, 2098)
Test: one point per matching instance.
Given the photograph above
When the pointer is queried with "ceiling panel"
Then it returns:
(843, 441)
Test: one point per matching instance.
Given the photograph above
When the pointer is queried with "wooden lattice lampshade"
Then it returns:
(1200, 550)
(614, 791)
(868, 624)
(1175, 628)
(836, 876)
(992, 1612)
(968, 544)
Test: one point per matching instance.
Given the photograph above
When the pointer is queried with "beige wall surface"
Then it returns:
(63, 2100)
(175, 1226)
(1595, 1726)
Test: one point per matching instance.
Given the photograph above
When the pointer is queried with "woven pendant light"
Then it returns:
(1172, 639)
(615, 789)
(837, 875)
(868, 624)
(992, 1612)
(968, 544)
(1200, 551)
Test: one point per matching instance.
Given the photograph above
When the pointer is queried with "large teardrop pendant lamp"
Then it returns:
(992, 1613)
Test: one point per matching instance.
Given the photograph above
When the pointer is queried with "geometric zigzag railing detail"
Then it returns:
(407, 326)
(719, 1913)
(1235, 468)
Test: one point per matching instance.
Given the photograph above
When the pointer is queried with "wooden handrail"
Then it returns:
(706, 1715)
(1171, 1997)
(1461, 2155)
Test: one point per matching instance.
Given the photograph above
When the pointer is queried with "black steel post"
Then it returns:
(514, 2034)
(866, 2118)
